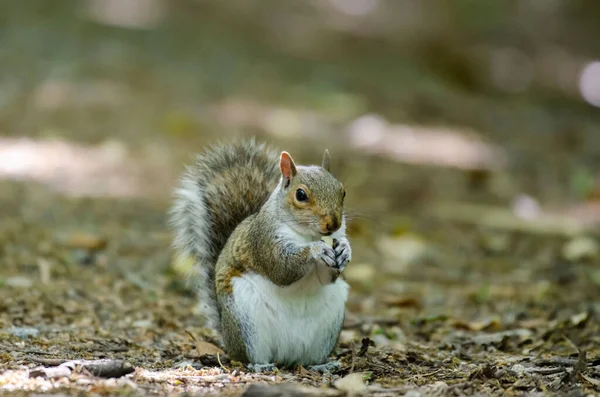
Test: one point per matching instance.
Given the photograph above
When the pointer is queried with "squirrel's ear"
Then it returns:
(288, 168)
(326, 160)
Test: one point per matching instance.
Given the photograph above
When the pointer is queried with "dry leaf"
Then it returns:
(488, 325)
(207, 348)
(402, 301)
(592, 381)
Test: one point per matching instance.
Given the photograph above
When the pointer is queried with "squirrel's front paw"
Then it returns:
(343, 253)
(324, 254)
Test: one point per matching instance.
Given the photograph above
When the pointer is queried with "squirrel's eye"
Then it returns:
(344, 196)
(301, 195)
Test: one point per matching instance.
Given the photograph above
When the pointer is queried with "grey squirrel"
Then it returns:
(253, 222)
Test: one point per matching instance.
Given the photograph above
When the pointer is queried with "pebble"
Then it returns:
(346, 336)
(352, 384)
(519, 369)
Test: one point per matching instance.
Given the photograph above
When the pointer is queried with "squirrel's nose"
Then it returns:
(330, 224)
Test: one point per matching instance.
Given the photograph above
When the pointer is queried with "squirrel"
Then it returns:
(254, 224)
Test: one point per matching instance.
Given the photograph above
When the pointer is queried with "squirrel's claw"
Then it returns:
(259, 368)
(343, 253)
(330, 367)
(326, 254)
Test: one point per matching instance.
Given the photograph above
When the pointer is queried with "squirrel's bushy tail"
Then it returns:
(228, 183)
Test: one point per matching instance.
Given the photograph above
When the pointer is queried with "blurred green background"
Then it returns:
(509, 87)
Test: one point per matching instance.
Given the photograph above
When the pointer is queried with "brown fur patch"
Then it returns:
(224, 278)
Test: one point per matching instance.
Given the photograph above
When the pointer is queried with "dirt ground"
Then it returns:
(440, 305)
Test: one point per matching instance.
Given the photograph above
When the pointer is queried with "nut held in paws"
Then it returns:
(327, 240)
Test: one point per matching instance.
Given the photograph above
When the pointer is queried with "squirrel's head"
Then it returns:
(313, 196)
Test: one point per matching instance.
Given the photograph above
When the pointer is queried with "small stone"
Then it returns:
(579, 318)
(519, 369)
(352, 384)
(347, 336)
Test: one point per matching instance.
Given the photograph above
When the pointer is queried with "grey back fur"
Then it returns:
(228, 183)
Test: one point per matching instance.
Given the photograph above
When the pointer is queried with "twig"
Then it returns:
(36, 351)
(100, 368)
(106, 368)
(548, 371)
(52, 362)
(379, 321)
(190, 335)
(592, 381)
(50, 373)
(377, 389)
(352, 348)
(220, 363)
(569, 362)
(111, 349)
(365, 343)
(430, 374)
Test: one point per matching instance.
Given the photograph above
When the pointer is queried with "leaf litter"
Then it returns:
(91, 302)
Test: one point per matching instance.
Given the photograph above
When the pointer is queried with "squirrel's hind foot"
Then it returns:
(259, 368)
(330, 367)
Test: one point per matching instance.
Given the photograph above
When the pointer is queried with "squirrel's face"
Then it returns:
(314, 197)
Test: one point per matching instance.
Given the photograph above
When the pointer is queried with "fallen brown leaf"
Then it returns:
(203, 348)
(402, 301)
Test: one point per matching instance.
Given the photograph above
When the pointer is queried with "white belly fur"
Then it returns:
(289, 325)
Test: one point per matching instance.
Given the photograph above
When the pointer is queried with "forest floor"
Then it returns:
(475, 270)
(441, 303)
